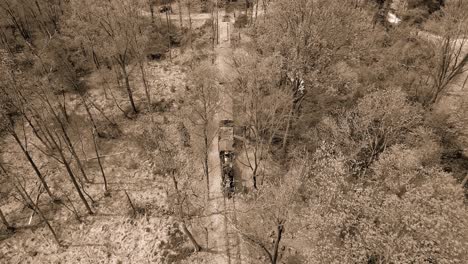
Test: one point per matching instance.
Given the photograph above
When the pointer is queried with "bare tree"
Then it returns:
(264, 109)
(38, 210)
(263, 223)
(151, 4)
(31, 204)
(65, 135)
(145, 83)
(27, 154)
(452, 61)
(181, 215)
(272, 254)
(204, 96)
(57, 139)
(96, 149)
(121, 35)
(157, 143)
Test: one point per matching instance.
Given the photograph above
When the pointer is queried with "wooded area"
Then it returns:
(347, 131)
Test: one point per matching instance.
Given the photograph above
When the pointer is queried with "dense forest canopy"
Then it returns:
(348, 122)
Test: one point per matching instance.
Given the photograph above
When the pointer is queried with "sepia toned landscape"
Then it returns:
(234, 131)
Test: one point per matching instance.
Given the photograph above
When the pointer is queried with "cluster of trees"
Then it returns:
(342, 115)
(42, 63)
(49, 49)
(54, 53)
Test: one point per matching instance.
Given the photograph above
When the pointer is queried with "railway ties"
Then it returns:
(233, 241)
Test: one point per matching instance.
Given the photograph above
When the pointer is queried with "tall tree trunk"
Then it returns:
(145, 84)
(74, 181)
(102, 112)
(213, 29)
(180, 14)
(264, 5)
(5, 173)
(217, 22)
(4, 41)
(131, 203)
(40, 213)
(96, 148)
(189, 7)
(115, 99)
(70, 172)
(195, 245)
(256, 10)
(88, 112)
(71, 147)
(253, 165)
(169, 35)
(151, 7)
(254, 178)
(288, 124)
(67, 141)
(205, 160)
(44, 140)
(25, 33)
(25, 106)
(256, 165)
(64, 106)
(127, 85)
(96, 59)
(279, 233)
(33, 165)
(252, 14)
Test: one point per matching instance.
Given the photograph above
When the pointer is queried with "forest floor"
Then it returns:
(114, 234)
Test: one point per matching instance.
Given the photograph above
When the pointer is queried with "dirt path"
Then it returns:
(223, 241)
